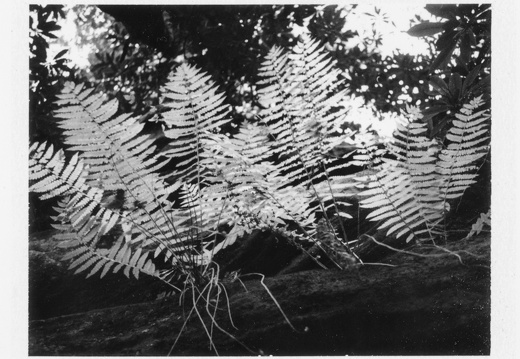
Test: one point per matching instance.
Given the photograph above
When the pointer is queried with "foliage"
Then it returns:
(229, 43)
(468, 27)
(220, 183)
(412, 193)
(145, 42)
(478, 226)
(457, 76)
(131, 72)
(45, 77)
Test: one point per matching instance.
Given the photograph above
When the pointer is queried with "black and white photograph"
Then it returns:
(264, 179)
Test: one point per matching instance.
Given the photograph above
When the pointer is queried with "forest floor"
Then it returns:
(434, 303)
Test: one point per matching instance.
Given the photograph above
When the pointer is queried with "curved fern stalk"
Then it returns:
(404, 194)
(468, 142)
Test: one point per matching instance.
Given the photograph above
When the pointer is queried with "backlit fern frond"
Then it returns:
(120, 160)
(404, 194)
(92, 260)
(195, 116)
(50, 175)
(468, 142)
(83, 219)
(110, 145)
(410, 194)
(196, 110)
(302, 111)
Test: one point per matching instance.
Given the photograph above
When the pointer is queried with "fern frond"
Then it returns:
(93, 260)
(195, 110)
(108, 144)
(478, 226)
(117, 157)
(468, 143)
(410, 194)
(404, 194)
(302, 113)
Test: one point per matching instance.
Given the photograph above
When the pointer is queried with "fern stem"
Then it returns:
(345, 241)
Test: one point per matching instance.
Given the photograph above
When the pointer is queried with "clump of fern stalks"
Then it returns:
(120, 210)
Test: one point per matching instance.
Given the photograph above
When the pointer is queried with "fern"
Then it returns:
(478, 226)
(301, 113)
(467, 143)
(195, 111)
(410, 194)
(279, 173)
(108, 144)
(111, 158)
(50, 175)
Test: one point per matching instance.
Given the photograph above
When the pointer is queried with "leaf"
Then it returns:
(455, 85)
(482, 85)
(430, 112)
(443, 58)
(446, 40)
(446, 11)
(426, 29)
(439, 85)
(60, 54)
(470, 79)
(465, 48)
